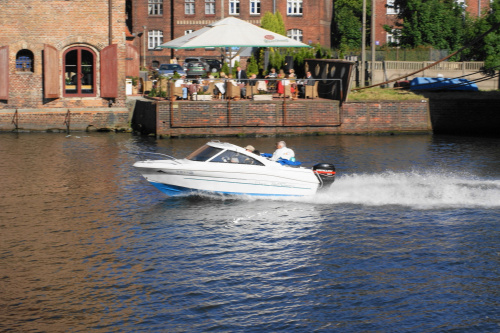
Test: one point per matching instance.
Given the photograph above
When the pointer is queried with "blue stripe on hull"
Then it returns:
(172, 190)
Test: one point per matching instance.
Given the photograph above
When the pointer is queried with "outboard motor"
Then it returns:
(325, 173)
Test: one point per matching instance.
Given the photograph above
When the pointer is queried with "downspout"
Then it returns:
(172, 25)
(110, 22)
(274, 6)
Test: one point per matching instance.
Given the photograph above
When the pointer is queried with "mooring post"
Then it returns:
(15, 120)
(67, 121)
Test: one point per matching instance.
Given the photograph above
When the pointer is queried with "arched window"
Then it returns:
(79, 72)
(24, 61)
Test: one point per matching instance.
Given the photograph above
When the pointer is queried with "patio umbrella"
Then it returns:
(232, 32)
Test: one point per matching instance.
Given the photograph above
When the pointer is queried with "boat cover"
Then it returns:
(282, 161)
(441, 83)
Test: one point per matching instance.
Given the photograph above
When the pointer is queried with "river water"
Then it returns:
(406, 240)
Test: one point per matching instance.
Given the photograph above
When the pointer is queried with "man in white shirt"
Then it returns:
(283, 152)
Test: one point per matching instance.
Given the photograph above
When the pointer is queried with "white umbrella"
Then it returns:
(232, 32)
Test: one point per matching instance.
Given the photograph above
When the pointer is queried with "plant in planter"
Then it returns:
(262, 95)
(202, 96)
(135, 81)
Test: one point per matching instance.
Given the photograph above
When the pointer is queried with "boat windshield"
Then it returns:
(203, 153)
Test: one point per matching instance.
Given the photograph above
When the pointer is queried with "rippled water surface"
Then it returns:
(407, 240)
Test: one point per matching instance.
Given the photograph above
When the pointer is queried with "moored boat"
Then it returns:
(224, 168)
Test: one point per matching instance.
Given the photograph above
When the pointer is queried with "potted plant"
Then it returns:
(263, 96)
(202, 96)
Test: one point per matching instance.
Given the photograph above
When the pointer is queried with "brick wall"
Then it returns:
(57, 120)
(315, 23)
(387, 116)
(293, 117)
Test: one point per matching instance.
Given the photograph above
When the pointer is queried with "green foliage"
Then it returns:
(252, 67)
(487, 49)
(276, 58)
(152, 92)
(280, 24)
(438, 23)
(134, 79)
(225, 68)
(273, 22)
(346, 24)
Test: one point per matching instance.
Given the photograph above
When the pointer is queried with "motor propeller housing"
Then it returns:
(325, 173)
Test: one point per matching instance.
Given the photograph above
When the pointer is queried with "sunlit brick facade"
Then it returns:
(157, 21)
(62, 54)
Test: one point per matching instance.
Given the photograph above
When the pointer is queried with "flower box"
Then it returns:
(202, 97)
(264, 97)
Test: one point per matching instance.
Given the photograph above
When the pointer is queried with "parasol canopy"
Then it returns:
(232, 32)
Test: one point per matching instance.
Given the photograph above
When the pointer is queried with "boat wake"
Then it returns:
(415, 189)
(429, 190)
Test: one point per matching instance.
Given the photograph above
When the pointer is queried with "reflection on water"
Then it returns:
(406, 240)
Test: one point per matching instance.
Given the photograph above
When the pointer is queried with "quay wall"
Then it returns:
(474, 114)
(440, 113)
(271, 118)
(62, 120)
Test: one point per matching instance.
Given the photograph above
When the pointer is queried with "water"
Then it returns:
(405, 241)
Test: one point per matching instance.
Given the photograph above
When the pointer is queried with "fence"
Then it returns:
(389, 70)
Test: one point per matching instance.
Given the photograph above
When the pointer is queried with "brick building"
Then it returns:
(58, 55)
(157, 21)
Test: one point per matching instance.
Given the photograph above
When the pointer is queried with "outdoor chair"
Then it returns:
(233, 91)
(312, 91)
(175, 91)
(250, 91)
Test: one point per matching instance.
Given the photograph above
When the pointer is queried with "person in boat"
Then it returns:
(250, 148)
(283, 152)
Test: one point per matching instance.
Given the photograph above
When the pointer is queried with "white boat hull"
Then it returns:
(225, 168)
(174, 179)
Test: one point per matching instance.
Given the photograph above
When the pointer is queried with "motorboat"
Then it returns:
(225, 168)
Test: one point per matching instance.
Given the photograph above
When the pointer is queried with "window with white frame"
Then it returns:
(393, 36)
(155, 7)
(294, 7)
(294, 34)
(254, 7)
(155, 39)
(210, 7)
(461, 4)
(189, 7)
(391, 8)
(234, 7)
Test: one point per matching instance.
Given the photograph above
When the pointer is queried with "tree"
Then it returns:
(273, 22)
(252, 66)
(280, 24)
(437, 23)
(491, 47)
(346, 24)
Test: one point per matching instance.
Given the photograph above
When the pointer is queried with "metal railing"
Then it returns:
(231, 88)
(416, 65)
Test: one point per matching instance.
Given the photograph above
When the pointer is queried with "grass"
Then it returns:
(375, 94)
(389, 94)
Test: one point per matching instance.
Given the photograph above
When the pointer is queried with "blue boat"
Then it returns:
(441, 83)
